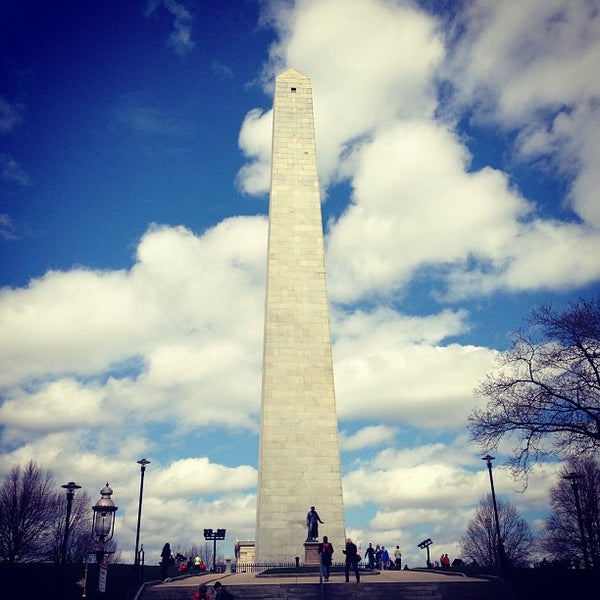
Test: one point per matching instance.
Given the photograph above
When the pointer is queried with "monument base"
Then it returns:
(311, 553)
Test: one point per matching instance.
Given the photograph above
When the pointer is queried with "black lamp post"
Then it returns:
(501, 564)
(488, 526)
(574, 478)
(103, 525)
(425, 544)
(70, 487)
(143, 462)
(211, 534)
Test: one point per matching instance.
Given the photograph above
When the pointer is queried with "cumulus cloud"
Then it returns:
(418, 206)
(531, 71)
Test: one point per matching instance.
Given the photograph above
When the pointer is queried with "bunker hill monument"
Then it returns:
(299, 458)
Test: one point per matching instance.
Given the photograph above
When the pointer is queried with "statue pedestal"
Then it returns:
(311, 553)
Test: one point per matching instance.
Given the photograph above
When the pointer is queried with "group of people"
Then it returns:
(183, 565)
(325, 550)
(220, 592)
(381, 558)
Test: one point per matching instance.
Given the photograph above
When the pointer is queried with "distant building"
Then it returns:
(244, 551)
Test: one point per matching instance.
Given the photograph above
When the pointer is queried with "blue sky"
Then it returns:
(458, 156)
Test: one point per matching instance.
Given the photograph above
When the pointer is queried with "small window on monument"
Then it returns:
(293, 90)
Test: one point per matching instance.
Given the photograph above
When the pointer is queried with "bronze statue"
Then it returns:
(312, 524)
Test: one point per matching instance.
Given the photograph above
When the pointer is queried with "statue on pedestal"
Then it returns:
(312, 525)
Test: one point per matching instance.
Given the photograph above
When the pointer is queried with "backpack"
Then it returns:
(227, 595)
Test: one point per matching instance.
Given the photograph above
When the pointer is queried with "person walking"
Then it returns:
(385, 558)
(166, 560)
(325, 551)
(398, 558)
(352, 560)
(370, 552)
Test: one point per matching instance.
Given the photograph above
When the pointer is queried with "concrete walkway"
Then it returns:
(245, 579)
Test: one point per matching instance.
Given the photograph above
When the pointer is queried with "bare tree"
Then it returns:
(545, 391)
(27, 510)
(479, 543)
(572, 532)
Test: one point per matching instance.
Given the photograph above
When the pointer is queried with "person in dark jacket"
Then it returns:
(325, 551)
(166, 560)
(352, 560)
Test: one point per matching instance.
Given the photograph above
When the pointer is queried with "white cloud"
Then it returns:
(533, 70)
(366, 437)
(381, 70)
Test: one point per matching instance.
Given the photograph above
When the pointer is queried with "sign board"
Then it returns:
(102, 577)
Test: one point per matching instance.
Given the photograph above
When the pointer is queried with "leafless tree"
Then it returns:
(480, 542)
(27, 510)
(545, 392)
(572, 532)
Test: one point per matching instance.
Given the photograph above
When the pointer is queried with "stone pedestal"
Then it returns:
(311, 553)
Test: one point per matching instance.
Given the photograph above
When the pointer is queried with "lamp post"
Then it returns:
(70, 487)
(143, 462)
(488, 526)
(211, 534)
(425, 544)
(574, 478)
(103, 525)
(501, 565)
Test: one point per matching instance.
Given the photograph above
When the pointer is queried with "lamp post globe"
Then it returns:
(103, 525)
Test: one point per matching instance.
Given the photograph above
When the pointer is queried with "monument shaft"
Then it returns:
(299, 459)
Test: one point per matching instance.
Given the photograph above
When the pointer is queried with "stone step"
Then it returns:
(492, 590)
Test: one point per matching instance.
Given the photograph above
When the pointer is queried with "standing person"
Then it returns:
(166, 560)
(385, 558)
(312, 525)
(398, 557)
(201, 594)
(378, 556)
(370, 552)
(325, 551)
(221, 593)
(352, 559)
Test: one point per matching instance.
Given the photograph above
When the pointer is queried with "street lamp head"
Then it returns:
(71, 487)
(104, 515)
(208, 534)
(143, 462)
(488, 459)
(572, 477)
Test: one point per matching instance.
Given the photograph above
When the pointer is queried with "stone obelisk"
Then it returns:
(299, 458)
